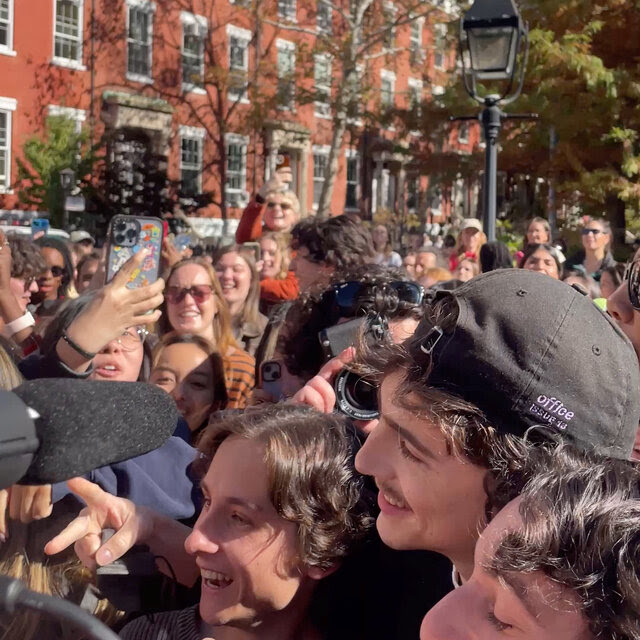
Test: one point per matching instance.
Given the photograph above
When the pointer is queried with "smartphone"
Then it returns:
(254, 247)
(129, 234)
(276, 381)
(283, 161)
(39, 225)
(182, 241)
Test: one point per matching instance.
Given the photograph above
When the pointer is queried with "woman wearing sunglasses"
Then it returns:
(56, 283)
(595, 255)
(194, 304)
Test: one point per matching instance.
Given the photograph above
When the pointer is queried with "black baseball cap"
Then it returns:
(529, 350)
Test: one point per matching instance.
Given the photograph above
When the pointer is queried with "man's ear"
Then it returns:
(317, 573)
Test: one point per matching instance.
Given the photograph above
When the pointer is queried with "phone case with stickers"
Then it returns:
(129, 234)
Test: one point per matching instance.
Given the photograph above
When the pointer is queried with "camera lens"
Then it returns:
(121, 226)
(119, 238)
(131, 233)
(356, 397)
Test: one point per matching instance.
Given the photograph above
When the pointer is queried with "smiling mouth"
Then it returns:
(215, 579)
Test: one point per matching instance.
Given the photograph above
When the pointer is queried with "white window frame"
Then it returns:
(7, 49)
(390, 12)
(318, 150)
(439, 53)
(463, 133)
(237, 197)
(290, 12)
(150, 8)
(321, 25)
(352, 154)
(192, 133)
(388, 76)
(68, 62)
(79, 116)
(415, 85)
(322, 109)
(245, 36)
(290, 47)
(201, 25)
(8, 106)
(416, 49)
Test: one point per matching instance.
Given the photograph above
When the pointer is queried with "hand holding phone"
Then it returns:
(127, 236)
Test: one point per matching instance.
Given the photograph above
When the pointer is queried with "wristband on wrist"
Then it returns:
(19, 324)
(85, 354)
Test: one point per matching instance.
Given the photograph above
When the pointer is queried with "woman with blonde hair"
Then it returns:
(470, 239)
(278, 283)
(194, 304)
(236, 269)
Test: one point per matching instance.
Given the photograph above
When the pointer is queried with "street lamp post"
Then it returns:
(492, 35)
(67, 182)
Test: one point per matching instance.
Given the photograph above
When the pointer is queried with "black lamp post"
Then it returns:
(67, 182)
(492, 35)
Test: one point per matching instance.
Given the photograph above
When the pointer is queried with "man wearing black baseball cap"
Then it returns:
(510, 357)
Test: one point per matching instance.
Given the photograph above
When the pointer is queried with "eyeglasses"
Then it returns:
(283, 205)
(595, 232)
(199, 292)
(347, 296)
(632, 276)
(56, 271)
(132, 338)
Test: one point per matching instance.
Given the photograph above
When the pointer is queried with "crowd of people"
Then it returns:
(438, 444)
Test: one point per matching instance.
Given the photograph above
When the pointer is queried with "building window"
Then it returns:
(287, 9)
(413, 193)
(324, 17)
(236, 169)
(140, 40)
(6, 26)
(191, 145)
(7, 107)
(415, 43)
(387, 89)
(67, 40)
(353, 180)
(78, 116)
(286, 73)
(439, 57)
(194, 31)
(320, 158)
(463, 133)
(322, 76)
(389, 36)
(239, 40)
(415, 97)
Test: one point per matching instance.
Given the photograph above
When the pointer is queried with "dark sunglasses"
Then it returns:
(632, 276)
(586, 232)
(56, 271)
(283, 205)
(346, 295)
(199, 292)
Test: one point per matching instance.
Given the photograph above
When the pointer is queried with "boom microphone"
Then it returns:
(55, 429)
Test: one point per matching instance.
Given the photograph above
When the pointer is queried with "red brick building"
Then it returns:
(184, 81)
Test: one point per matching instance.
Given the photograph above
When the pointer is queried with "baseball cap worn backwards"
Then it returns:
(529, 350)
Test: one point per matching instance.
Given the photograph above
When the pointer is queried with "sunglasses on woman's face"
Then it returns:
(285, 206)
(595, 232)
(56, 271)
(199, 292)
(632, 276)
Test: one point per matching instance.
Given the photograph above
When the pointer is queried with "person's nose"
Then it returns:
(372, 459)
(112, 347)
(619, 305)
(33, 287)
(444, 622)
(202, 538)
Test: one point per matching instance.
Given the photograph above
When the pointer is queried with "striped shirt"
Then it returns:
(169, 625)
(240, 370)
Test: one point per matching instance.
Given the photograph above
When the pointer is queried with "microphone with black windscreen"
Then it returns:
(55, 429)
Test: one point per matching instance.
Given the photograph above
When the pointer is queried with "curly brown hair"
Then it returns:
(313, 482)
(581, 528)
(26, 259)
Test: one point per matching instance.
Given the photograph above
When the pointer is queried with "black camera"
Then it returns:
(356, 396)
